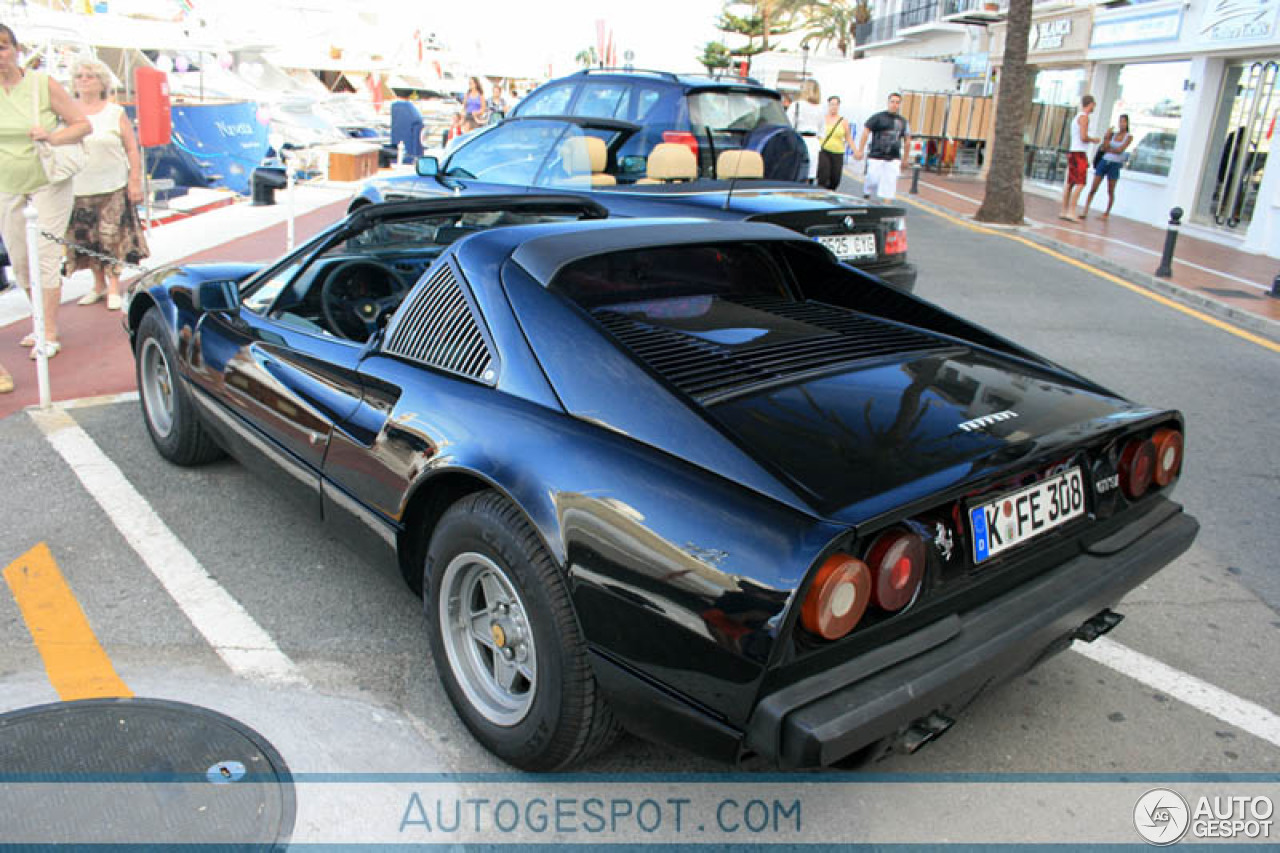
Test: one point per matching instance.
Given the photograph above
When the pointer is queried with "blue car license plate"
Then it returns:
(1012, 519)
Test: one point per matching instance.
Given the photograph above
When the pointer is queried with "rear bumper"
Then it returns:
(901, 277)
(828, 716)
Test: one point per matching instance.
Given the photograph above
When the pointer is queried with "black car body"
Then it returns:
(528, 153)
(722, 490)
(709, 114)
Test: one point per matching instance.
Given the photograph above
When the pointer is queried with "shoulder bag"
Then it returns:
(60, 162)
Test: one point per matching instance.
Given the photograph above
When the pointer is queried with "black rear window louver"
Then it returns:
(709, 372)
(438, 329)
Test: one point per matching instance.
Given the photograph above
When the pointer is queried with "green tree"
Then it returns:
(830, 22)
(1003, 202)
(715, 55)
(586, 58)
(759, 20)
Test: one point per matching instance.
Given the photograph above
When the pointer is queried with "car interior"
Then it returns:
(349, 288)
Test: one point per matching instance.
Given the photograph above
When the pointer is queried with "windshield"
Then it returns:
(534, 153)
(742, 111)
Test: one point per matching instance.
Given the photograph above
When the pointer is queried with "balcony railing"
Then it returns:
(886, 27)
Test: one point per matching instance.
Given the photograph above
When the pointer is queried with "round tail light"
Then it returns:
(897, 561)
(838, 597)
(1137, 467)
(1168, 448)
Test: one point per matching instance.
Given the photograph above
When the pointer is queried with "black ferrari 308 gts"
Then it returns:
(693, 479)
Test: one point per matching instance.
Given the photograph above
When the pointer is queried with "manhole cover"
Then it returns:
(140, 771)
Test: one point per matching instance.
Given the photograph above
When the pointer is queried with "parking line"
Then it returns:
(1201, 695)
(234, 635)
(77, 665)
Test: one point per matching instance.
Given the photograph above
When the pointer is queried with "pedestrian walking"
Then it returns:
(890, 134)
(835, 138)
(1077, 159)
(34, 108)
(473, 105)
(107, 190)
(1111, 156)
(807, 117)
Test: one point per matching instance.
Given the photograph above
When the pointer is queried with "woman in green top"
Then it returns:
(59, 121)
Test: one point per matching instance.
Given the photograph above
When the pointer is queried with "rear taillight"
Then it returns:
(1137, 467)
(838, 597)
(895, 240)
(681, 137)
(1168, 455)
(896, 560)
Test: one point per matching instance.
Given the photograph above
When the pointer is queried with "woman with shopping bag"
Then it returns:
(37, 118)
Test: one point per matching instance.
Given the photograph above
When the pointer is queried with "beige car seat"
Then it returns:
(670, 161)
(585, 158)
(739, 164)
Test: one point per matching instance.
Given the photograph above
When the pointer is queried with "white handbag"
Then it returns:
(60, 162)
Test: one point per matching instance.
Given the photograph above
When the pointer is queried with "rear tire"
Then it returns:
(505, 639)
(167, 409)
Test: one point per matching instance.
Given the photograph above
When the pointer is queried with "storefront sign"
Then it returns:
(1236, 20)
(1049, 35)
(971, 66)
(1130, 29)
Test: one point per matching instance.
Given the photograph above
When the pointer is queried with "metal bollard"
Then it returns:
(1165, 270)
(399, 153)
(915, 178)
(1275, 287)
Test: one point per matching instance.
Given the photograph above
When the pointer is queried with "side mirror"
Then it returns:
(428, 167)
(212, 296)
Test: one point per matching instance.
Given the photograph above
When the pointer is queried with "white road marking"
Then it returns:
(240, 641)
(1201, 695)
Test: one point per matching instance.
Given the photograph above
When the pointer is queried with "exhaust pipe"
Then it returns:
(1097, 626)
(922, 731)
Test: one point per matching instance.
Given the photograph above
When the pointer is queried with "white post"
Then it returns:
(288, 177)
(37, 300)
(399, 153)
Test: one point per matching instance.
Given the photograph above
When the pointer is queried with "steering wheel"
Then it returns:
(356, 294)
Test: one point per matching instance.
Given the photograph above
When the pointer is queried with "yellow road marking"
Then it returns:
(77, 665)
(1116, 280)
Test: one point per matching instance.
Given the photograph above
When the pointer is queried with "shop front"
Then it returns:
(1200, 84)
(1057, 46)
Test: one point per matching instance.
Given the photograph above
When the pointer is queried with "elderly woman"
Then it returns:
(31, 107)
(107, 190)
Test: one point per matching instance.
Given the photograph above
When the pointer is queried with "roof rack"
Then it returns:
(738, 77)
(616, 70)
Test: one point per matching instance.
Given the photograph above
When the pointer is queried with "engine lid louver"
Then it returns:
(710, 372)
(439, 329)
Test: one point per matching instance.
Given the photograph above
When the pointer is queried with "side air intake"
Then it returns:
(438, 329)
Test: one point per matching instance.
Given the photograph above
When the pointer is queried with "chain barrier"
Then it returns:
(93, 253)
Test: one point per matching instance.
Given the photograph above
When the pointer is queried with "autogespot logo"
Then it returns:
(1161, 816)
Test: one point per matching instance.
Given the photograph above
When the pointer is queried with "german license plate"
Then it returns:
(851, 246)
(1010, 520)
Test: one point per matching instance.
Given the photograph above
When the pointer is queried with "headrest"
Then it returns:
(671, 161)
(739, 164)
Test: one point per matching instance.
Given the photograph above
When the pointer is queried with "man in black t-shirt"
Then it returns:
(890, 135)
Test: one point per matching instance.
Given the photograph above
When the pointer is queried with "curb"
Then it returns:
(1263, 326)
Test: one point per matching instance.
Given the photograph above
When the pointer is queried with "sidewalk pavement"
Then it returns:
(95, 360)
(1220, 280)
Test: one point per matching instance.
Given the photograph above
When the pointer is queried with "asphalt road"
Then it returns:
(372, 702)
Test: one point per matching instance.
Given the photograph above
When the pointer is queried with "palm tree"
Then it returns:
(832, 21)
(1003, 201)
(586, 58)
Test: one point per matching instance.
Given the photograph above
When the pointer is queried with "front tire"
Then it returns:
(505, 640)
(167, 409)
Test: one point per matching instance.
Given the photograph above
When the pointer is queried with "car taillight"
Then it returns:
(681, 137)
(896, 560)
(838, 597)
(1137, 467)
(1168, 448)
(895, 241)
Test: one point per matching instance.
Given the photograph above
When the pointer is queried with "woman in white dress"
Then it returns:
(807, 115)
